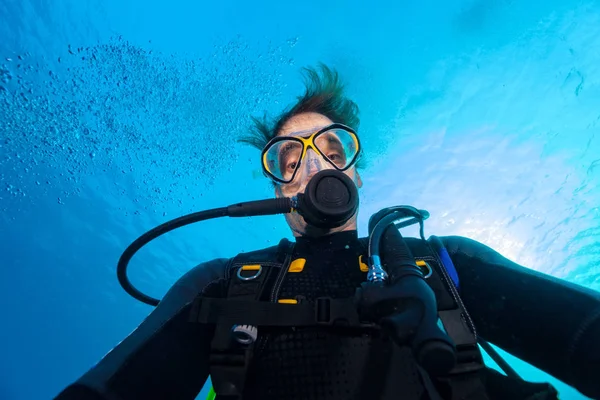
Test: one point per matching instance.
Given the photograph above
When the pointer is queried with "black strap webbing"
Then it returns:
(430, 388)
(467, 386)
(323, 312)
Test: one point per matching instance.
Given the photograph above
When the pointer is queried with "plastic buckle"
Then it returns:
(468, 359)
(323, 311)
(342, 313)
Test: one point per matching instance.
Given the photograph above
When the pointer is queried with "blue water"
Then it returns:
(117, 116)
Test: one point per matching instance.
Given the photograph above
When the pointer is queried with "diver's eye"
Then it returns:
(337, 158)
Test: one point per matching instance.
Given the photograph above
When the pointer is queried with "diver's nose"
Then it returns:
(314, 164)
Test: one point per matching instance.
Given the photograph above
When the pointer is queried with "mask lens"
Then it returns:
(282, 158)
(338, 146)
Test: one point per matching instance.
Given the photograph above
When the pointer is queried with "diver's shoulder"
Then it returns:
(203, 274)
(465, 246)
(264, 255)
(454, 244)
(448, 241)
(215, 270)
(267, 254)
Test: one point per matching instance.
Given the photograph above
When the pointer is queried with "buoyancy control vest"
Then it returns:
(252, 302)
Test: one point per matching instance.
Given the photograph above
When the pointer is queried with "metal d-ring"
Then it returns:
(429, 270)
(251, 277)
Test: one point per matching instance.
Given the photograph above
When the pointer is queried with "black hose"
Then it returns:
(378, 230)
(151, 235)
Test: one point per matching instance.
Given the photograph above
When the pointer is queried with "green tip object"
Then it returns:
(211, 394)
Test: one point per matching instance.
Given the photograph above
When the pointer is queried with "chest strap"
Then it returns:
(324, 311)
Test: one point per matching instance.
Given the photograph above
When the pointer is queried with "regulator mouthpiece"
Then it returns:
(329, 200)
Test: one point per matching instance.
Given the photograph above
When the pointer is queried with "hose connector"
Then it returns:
(376, 271)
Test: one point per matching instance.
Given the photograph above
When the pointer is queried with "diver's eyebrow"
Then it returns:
(284, 151)
(331, 138)
(333, 141)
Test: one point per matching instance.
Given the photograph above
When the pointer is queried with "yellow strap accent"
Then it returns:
(421, 263)
(363, 267)
(253, 267)
(287, 301)
(297, 265)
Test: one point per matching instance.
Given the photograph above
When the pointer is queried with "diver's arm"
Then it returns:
(550, 323)
(166, 357)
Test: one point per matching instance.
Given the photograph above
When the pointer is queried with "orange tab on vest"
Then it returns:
(297, 265)
(363, 267)
(287, 301)
(253, 267)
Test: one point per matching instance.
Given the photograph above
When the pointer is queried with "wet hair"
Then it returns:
(325, 94)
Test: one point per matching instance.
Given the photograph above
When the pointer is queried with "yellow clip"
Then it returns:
(287, 301)
(421, 263)
(297, 265)
(363, 267)
(253, 267)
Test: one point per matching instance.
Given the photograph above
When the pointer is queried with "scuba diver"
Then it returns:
(335, 316)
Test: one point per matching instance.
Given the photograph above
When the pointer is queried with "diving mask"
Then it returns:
(285, 157)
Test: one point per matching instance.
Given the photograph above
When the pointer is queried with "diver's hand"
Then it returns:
(402, 310)
(386, 306)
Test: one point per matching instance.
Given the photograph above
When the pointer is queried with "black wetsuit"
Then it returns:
(547, 322)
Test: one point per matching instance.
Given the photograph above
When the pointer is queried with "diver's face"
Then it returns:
(304, 125)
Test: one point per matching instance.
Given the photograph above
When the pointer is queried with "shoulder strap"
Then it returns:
(249, 279)
(448, 266)
(464, 381)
